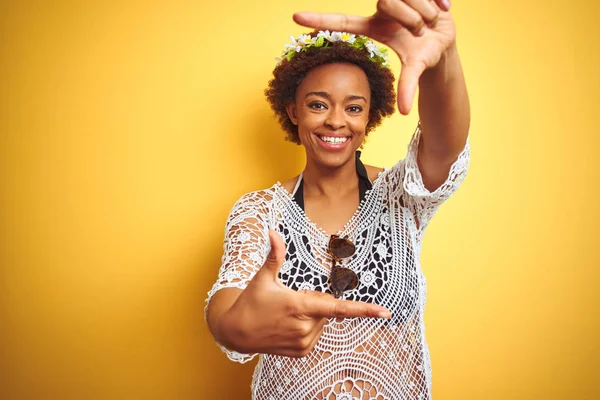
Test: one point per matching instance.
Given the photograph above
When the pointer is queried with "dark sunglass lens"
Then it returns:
(342, 279)
(341, 248)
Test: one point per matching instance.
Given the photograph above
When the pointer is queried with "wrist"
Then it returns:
(446, 68)
(229, 331)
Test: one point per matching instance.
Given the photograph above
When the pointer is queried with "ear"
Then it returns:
(291, 111)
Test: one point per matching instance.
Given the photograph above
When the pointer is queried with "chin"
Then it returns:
(337, 159)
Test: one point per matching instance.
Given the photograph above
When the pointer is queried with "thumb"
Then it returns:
(407, 85)
(276, 256)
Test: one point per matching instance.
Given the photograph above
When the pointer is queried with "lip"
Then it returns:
(332, 146)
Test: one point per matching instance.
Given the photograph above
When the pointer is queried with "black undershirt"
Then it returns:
(408, 305)
(364, 183)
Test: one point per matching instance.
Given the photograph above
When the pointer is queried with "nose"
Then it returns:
(336, 118)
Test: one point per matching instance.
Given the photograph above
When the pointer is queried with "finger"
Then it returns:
(317, 333)
(428, 10)
(329, 307)
(300, 348)
(314, 293)
(403, 14)
(407, 85)
(276, 255)
(334, 22)
(443, 4)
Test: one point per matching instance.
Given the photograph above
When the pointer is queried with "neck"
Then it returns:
(330, 182)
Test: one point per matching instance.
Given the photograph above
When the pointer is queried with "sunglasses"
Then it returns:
(342, 278)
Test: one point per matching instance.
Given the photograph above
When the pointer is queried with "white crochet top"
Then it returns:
(355, 358)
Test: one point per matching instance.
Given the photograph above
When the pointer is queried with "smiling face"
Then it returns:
(331, 111)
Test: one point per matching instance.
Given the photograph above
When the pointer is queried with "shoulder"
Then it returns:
(290, 184)
(255, 202)
(373, 172)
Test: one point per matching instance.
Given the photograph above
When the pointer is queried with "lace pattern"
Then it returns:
(355, 358)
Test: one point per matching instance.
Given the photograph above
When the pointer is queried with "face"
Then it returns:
(331, 111)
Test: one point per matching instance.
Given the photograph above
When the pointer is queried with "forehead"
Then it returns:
(337, 79)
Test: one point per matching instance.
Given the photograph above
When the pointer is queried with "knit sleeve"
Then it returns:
(245, 250)
(412, 191)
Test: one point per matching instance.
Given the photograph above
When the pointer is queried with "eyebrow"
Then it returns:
(328, 96)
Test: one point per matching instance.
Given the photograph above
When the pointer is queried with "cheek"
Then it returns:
(360, 124)
(310, 121)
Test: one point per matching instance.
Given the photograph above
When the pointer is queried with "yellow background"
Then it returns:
(128, 130)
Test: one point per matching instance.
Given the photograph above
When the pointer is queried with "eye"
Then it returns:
(316, 105)
(354, 109)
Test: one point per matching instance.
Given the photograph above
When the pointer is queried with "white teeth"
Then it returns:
(334, 140)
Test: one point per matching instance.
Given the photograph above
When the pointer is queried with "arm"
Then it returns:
(445, 116)
(423, 36)
(219, 304)
(268, 317)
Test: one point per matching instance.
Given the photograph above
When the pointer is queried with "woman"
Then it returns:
(321, 274)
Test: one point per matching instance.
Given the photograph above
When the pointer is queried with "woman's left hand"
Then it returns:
(419, 31)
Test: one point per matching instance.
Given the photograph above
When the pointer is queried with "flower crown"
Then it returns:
(324, 39)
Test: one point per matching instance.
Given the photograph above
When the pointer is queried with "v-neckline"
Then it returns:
(344, 228)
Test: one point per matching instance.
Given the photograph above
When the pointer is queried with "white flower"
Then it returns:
(376, 51)
(294, 46)
(287, 265)
(324, 34)
(336, 37)
(371, 47)
(385, 57)
(385, 220)
(290, 46)
(255, 256)
(243, 237)
(367, 278)
(306, 40)
(348, 37)
(232, 275)
(306, 286)
(382, 250)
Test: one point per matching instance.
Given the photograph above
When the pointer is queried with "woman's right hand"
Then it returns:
(268, 317)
